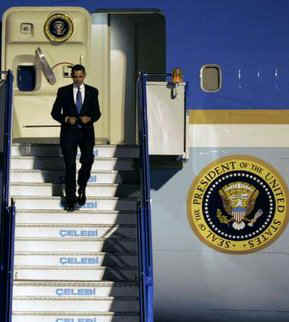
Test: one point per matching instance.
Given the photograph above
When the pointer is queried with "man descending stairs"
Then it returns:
(79, 266)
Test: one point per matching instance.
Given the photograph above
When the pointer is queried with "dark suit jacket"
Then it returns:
(64, 105)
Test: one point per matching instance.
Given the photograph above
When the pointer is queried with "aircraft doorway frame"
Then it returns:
(117, 74)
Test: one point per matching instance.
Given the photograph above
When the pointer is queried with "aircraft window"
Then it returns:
(211, 78)
(26, 77)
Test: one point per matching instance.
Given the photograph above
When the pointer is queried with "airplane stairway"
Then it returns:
(79, 266)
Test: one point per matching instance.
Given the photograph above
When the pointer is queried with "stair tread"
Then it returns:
(76, 283)
(78, 225)
(77, 298)
(74, 268)
(58, 198)
(78, 211)
(75, 313)
(132, 146)
(61, 171)
(45, 157)
(89, 186)
(74, 253)
(74, 239)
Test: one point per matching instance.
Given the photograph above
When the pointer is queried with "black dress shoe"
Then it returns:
(69, 207)
(81, 196)
(70, 204)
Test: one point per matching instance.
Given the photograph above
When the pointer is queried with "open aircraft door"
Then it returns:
(40, 45)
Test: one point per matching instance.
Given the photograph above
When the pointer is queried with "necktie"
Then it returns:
(78, 101)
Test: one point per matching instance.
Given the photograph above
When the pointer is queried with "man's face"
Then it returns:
(78, 77)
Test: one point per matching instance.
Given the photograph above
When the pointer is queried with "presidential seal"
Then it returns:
(58, 27)
(238, 204)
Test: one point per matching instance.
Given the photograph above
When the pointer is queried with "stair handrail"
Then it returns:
(7, 219)
(146, 282)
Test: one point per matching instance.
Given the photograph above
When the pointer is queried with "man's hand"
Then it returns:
(71, 120)
(85, 119)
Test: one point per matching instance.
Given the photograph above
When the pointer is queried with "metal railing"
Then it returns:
(7, 215)
(146, 284)
(144, 211)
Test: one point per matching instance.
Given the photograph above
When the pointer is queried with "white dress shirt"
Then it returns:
(82, 91)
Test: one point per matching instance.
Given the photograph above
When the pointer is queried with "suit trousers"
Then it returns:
(71, 138)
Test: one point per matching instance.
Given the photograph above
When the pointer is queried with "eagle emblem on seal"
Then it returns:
(239, 199)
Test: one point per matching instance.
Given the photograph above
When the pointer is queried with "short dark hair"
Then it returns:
(76, 68)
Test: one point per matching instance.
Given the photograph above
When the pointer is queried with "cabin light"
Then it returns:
(177, 76)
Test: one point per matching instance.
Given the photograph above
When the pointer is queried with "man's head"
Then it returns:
(78, 74)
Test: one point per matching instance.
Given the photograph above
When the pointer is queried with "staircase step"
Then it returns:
(49, 189)
(71, 273)
(81, 245)
(57, 176)
(26, 149)
(79, 217)
(56, 163)
(73, 289)
(75, 231)
(74, 317)
(97, 203)
(84, 259)
(80, 304)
